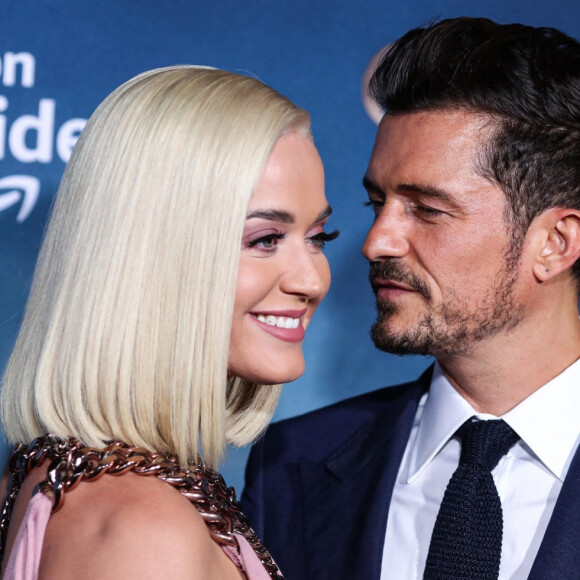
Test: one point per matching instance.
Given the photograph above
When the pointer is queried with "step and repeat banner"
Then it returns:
(60, 58)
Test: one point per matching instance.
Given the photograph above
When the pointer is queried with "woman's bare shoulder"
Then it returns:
(130, 527)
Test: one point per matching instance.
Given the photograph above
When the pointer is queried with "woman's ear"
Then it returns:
(559, 247)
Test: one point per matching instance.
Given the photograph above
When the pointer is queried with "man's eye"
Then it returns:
(425, 209)
(375, 204)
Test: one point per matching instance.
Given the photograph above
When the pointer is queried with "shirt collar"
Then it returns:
(444, 411)
(547, 421)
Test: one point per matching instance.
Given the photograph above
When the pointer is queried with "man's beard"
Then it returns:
(451, 327)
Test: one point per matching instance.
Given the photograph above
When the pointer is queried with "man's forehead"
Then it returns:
(431, 137)
(436, 153)
(448, 123)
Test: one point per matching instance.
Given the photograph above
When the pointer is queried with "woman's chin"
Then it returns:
(271, 376)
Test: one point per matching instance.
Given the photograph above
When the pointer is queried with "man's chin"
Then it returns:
(400, 343)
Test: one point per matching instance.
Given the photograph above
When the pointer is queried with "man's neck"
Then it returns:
(499, 373)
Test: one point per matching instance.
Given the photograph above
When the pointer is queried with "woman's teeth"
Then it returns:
(279, 321)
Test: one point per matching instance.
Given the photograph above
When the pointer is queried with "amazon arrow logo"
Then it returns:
(24, 189)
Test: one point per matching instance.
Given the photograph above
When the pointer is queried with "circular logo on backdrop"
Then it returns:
(373, 110)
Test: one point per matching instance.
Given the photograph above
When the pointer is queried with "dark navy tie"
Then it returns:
(466, 540)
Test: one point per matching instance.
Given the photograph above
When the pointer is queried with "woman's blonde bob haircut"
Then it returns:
(126, 332)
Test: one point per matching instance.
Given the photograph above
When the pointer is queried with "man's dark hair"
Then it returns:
(526, 79)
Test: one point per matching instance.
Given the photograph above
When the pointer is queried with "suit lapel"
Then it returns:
(559, 554)
(346, 498)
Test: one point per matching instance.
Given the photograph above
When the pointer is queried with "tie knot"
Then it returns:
(484, 443)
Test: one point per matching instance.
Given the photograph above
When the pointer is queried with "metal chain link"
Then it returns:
(71, 462)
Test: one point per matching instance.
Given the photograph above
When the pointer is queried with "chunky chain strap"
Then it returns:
(71, 462)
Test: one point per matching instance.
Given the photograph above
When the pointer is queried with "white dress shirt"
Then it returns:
(528, 478)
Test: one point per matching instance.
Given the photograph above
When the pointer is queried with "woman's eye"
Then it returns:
(319, 240)
(268, 242)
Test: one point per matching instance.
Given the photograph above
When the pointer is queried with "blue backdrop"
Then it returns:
(60, 58)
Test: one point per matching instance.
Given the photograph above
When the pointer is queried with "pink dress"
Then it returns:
(24, 558)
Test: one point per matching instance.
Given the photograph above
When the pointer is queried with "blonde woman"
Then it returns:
(182, 263)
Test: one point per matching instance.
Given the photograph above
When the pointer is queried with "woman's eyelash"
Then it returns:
(323, 237)
(269, 238)
(270, 241)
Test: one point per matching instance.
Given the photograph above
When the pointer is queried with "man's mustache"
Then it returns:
(393, 269)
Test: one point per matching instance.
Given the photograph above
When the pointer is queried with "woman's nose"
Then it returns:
(307, 276)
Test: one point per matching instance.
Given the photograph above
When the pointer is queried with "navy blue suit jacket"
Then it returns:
(318, 489)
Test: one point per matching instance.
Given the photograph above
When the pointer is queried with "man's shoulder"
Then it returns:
(371, 402)
(275, 467)
(313, 432)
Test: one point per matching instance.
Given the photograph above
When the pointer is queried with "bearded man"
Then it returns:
(473, 470)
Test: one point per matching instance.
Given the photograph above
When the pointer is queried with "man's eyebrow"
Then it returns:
(273, 215)
(369, 185)
(428, 190)
(433, 192)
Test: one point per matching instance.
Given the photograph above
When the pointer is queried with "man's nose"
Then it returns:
(387, 237)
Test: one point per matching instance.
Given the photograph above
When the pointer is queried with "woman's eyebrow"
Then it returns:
(273, 215)
(323, 214)
(285, 217)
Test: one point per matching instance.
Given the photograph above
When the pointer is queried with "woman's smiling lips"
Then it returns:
(283, 324)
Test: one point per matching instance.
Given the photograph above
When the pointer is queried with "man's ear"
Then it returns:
(558, 232)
